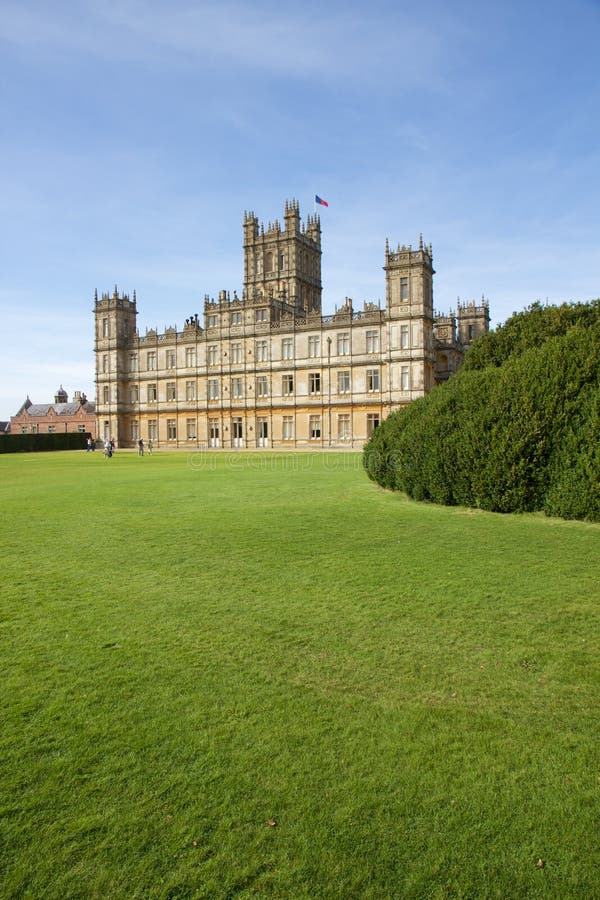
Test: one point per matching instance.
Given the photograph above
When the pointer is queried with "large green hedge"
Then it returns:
(28, 443)
(517, 429)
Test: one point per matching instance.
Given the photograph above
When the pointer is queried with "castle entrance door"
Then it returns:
(262, 428)
(214, 439)
(237, 434)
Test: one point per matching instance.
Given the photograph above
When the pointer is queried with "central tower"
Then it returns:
(284, 263)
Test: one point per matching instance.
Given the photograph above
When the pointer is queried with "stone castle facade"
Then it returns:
(267, 369)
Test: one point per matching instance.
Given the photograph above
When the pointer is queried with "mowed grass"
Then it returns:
(260, 675)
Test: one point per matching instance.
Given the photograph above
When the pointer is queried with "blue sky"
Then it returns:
(135, 134)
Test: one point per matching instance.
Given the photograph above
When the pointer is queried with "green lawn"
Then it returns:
(196, 647)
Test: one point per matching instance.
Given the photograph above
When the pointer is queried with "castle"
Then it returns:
(267, 369)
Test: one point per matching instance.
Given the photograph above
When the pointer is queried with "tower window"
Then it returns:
(404, 288)
(287, 433)
(372, 380)
(372, 342)
(105, 328)
(404, 336)
(343, 382)
(314, 428)
(314, 345)
(372, 423)
(314, 383)
(343, 344)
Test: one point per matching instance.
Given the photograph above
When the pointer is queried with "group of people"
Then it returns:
(109, 447)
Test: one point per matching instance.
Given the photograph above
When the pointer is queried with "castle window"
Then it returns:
(105, 394)
(105, 363)
(190, 429)
(287, 431)
(213, 388)
(372, 423)
(471, 332)
(287, 385)
(287, 348)
(190, 390)
(314, 428)
(314, 345)
(269, 262)
(236, 318)
(236, 353)
(404, 289)
(372, 342)
(133, 362)
(212, 354)
(171, 359)
(404, 336)
(152, 430)
(190, 356)
(260, 315)
(171, 429)
(343, 344)
(105, 328)
(211, 321)
(213, 432)
(151, 392)
(134, 394)
(81, 429)
(343, 427)
(237, 388)
(151, 361)
(51, 429)
(258, 265)
(314, 383)
(405, 378)
(262, 351)
(237, 430)
(262, 386)
(171, 390)
(281, 261)
(135, 430)
(373, 380)
(343, 382)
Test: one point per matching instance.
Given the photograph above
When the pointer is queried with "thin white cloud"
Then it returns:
(336, 43)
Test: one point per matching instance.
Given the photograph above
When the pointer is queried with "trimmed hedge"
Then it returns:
(30, 443)
(513, 436)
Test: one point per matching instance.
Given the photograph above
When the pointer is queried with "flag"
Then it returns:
(319, 200)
